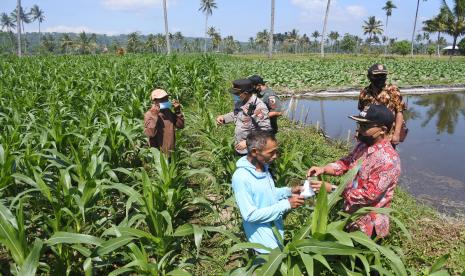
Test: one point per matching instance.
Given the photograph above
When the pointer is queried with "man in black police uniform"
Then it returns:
(270, 99)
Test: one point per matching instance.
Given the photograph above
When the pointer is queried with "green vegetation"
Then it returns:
(401, 47)
(81, 193)
(306, 73)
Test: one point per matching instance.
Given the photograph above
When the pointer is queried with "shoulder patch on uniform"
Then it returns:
(272, 100)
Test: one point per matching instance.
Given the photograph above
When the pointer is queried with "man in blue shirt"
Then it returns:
(261, 204)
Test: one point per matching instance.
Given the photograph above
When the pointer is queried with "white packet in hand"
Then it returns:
(308, 191)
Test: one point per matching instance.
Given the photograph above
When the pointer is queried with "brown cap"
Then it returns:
(158, 94)
(377, 69)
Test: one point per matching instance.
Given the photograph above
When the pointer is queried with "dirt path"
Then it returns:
(354, 92)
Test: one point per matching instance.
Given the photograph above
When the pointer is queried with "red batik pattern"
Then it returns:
(373, 186)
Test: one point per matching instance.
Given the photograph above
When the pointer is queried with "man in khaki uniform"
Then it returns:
(160, 123)
(250, 114)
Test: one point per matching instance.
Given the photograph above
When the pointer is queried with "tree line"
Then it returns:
(449, 21)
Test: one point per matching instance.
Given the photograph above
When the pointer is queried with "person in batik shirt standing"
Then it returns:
(378, 92)
(378, 171)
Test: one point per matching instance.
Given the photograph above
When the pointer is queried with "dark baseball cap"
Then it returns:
(256, 79)
(377, 114)
(377, 69)
(241, 85)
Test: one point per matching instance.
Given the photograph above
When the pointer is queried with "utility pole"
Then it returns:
(270, 40)
(167, 35)
(18, 26)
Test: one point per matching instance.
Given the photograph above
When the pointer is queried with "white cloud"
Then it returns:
(75, 29)
(356, 11)
(130, 5)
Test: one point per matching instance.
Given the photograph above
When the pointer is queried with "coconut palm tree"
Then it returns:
(133, 42)
(18, 23)
(261, 39)
(24, 17)
(167, 35)
(316, 35)
(324, 29)
(65, 43)
(372, 27)
(86, 44)
(159, 41)
(251, 43)
(178, 38)
(455, 20)
(215, 37)
(207, 6)
(333, 36)
(304, 41)
(293, 37)
(149, 45)
(7, 23)
(389, 6)
(49, 43)
(437, 24)
(270, 39)
(415, 25)
(37, 15)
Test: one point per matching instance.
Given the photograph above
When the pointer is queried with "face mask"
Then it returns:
(165, 105)
(378, 82)
(369, 140)
(236, 99)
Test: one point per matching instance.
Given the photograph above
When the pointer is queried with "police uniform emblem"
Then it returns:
(272, 100)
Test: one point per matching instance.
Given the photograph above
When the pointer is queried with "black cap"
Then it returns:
(377, 69)
(378, 114)
(241, 85)
(256, 79)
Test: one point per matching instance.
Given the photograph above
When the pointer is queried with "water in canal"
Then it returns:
(433, 155)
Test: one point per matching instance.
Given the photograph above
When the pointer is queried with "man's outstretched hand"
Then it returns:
(296, 201)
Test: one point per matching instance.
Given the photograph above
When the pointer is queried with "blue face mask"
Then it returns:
(165, 105)
(236, 99)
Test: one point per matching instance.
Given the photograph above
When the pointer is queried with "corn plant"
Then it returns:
(13, 237)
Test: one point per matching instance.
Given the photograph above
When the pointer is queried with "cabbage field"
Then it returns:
(81, 193)
(307, 73)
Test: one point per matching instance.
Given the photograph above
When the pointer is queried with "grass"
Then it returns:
(433, 234)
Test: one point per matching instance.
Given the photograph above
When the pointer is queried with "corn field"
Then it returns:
(81, 193)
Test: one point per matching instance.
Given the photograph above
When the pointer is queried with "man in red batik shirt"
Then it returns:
(377, 176)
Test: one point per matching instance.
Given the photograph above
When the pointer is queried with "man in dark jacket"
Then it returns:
(271, 100)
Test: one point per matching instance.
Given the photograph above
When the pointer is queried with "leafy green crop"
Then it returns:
(309, 73)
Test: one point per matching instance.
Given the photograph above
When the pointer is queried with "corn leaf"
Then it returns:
(275, 258)
(71, 238)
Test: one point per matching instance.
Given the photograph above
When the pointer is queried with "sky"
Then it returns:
(240, 18)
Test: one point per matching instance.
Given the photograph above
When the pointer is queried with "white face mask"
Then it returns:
(165, 105)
